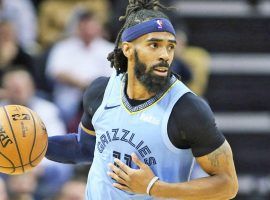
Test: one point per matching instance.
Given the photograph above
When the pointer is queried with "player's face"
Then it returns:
(153, 56)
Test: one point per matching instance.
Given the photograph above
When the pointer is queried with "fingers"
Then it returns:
(122, 187)
(123, 166)
(137, 161)
(116, 178)
(117, 171)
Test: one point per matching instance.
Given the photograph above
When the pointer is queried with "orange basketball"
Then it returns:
(23, 139)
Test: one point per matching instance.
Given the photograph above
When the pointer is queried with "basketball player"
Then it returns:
(143, 127)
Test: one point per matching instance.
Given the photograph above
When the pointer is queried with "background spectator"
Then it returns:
(76, 61)
(22, 187)
(22, 14)
(72, 190)
(11, 52)
(3, 190)
(196, 58)
(56, 14)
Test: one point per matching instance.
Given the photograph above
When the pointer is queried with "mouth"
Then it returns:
(161, 71)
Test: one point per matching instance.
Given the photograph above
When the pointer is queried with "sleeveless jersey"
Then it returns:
(122, 129)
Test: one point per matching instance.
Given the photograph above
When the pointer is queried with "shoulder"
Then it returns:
(190, 105)
(96, 87)
(93, 95)
(195, 126)
(193, 115)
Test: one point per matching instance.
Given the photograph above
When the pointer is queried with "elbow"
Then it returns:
(232, 186)
(234, 189)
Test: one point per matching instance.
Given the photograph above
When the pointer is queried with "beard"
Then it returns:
(152, 82)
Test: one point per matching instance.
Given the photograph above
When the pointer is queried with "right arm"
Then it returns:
(79, 147)
(72, 148)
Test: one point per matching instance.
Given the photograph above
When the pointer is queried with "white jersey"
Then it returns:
(122, 129)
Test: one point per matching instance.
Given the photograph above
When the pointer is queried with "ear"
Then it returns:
(127, 49)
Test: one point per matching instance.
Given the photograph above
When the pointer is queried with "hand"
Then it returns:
(131, 180)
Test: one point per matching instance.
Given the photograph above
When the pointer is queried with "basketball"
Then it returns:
(23, 139)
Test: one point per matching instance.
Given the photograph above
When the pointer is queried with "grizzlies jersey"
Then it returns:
(122, 129)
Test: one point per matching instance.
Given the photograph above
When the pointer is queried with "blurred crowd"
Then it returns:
(50, 51)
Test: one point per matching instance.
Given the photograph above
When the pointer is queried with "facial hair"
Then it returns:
(152, 82)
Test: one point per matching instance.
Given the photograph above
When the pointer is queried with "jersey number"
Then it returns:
(127, 158)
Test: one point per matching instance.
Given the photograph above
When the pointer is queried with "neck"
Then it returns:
(135, 90)
(86, 41)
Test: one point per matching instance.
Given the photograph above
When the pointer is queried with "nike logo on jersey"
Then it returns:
(110, 107)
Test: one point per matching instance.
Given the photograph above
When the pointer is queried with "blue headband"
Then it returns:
(153, 25)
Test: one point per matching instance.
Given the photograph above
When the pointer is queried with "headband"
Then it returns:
(153, 25)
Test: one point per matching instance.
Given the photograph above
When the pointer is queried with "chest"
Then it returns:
(118, 127)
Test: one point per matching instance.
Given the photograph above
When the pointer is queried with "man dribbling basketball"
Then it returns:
(143, 127)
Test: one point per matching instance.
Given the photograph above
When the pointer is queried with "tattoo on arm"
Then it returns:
(214, 157)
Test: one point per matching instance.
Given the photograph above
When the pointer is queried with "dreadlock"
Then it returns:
(137, 11)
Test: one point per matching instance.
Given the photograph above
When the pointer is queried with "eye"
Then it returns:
(171, 47)
(154, 45)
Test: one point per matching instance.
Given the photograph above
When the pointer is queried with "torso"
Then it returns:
(122, 129)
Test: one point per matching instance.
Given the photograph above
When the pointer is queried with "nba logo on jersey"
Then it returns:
(159, 23)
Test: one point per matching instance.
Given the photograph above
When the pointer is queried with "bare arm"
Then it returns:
(222, 183)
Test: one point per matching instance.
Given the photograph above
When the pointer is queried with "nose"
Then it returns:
(164, 56)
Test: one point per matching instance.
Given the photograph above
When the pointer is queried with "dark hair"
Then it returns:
(85, 15)
(137, 11)
(9, 69)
